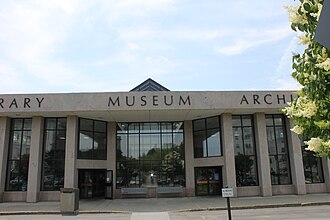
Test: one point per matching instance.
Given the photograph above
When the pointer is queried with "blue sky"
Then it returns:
(114, 45)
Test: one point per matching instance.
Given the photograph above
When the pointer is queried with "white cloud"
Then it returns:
(282, 77)
(32, 33)
(254, 38)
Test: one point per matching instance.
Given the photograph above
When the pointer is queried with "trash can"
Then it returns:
(69, 201)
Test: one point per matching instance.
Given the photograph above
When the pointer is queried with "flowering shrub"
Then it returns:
(310, 112)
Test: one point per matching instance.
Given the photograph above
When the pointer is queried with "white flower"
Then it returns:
(294, 16)
(324, 65)
(304, 39)
(314, 144)
(326, 144)
(297, 129)
(305, 107)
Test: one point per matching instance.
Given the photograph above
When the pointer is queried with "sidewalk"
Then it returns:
(166, 204)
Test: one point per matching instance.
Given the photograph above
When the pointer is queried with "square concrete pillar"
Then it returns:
(296, 160)
(35, 160)
(189, 158)
(229, 171)
(70, 170)
(4, 143)
(262, 155)
(111, 151)
(326, 172)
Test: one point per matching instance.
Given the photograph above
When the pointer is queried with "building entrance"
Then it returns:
(208, 181)
(91, 183)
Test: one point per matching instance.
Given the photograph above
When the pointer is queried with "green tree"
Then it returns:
(310, 112)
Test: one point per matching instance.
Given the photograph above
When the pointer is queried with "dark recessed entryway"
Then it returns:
(208, 181)
(91, 183)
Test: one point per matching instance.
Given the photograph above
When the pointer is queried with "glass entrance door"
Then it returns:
(91, 183)
(208, 181)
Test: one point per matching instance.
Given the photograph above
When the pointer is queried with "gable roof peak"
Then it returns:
(149, 85)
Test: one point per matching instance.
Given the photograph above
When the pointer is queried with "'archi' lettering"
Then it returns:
(267, 99)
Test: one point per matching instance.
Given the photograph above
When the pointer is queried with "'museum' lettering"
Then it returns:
(155, 100)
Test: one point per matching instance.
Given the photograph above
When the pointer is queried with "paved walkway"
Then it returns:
(166, 204)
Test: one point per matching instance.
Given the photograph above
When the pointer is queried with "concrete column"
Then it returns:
(262, 155)
(229, 171)
(189, 158)
(111, 151)
(35, 163)
(4, 143)
(70, 170)
(326, 172)
(296, 160)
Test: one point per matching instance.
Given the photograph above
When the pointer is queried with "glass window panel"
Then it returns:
(61, 139)
(247, 120)
(178, 127)
(271, 141)
(246, 172)
(178, 144)
(49, 146)
(213, 142)
(278, 119)
(26, 143)
(133, 128)
(50, 123)
(121, 146)
(273, 170)
(236, 120)
(15, 147)
(86, 124)
(86, 141)
(100, 146)
(17, 124)
(167, 143)
(150, 146)
(27, 124)
(157, 155)
(122, 127)
(100, 126)
(150, 128)
(269, 120)
(248, 141)
(133, 146)
(199, 125)
(238, 142)
(61, 123)
(167, 127)
(212, 122)
(280, 141)
(284, 170)
(200, 144)
(13, 176)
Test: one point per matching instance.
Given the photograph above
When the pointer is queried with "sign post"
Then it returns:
(227, 193)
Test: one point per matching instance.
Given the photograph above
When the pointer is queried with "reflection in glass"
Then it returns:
(313, 168)
(245, 156)
(278, 150)
(54, 154)
(206, 134)
(208, 181)
(19, 153)
(155, 155)
(92, 139)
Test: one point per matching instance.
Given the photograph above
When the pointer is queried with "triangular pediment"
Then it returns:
(149, 85)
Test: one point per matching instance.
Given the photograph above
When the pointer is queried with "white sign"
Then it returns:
(227, 192)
